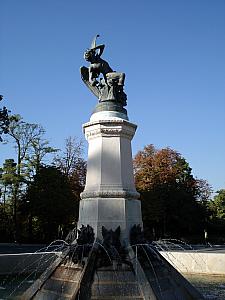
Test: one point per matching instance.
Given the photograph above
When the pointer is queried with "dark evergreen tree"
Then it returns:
(51, 203)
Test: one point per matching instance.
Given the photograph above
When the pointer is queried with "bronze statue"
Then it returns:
(108, 88)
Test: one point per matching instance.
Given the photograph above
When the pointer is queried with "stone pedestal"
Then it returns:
(110, 198)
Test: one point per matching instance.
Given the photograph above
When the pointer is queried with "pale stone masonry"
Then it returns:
(110, 198)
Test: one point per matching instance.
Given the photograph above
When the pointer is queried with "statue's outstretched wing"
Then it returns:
(85, 77)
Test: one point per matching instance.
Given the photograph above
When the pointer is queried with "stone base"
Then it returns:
(110, 213)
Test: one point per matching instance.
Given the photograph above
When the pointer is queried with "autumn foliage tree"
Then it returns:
(169, 193)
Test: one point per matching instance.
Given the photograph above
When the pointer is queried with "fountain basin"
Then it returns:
(26, 262)
(193, 262)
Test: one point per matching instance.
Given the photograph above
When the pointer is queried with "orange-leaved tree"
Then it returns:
(169, 193)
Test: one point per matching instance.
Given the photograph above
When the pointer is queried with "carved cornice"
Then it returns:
(109, 128)
(110, 121)
(104, 131)
(110, 194)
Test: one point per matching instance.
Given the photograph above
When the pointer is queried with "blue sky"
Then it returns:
(173, 54)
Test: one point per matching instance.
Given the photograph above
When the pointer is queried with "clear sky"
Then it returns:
(173, 54)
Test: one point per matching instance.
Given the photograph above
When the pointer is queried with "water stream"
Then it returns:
(212, 287)
(12, 285)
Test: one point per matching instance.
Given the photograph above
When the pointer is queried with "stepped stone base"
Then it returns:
(115, 283)
(144, 275)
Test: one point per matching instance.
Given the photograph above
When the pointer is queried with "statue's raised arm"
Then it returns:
(108, 88)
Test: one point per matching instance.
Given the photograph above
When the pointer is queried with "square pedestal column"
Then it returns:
(111, 213)
(110, 198)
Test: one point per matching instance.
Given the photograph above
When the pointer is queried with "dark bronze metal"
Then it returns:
(108, 88)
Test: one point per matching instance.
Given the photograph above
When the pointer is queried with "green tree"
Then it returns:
(4, 120)
(50, 203)
(8, 177)
(8, 182)
(216, 217)
(24, 135)
(39, 148)
(217, 205)
(169, 192)
(31, 148)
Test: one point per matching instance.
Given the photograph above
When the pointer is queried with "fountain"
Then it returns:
(110, 259)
